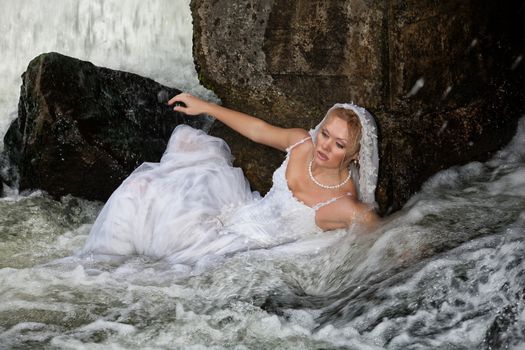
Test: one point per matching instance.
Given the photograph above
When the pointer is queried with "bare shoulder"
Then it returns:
(276, 137)
(295, 135)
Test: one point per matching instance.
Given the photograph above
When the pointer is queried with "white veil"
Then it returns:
(365, 178)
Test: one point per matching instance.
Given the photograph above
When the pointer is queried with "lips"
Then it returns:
(322, 156)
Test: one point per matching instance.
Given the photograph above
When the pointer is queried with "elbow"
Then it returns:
(371, 216)
(371, 220)
(367, 218)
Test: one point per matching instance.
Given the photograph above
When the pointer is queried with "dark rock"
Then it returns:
(6, 173)
(288, 62)
(82, 129)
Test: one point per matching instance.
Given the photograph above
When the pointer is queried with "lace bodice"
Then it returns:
(279, 217)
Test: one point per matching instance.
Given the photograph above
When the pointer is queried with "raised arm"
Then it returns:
(249, 126)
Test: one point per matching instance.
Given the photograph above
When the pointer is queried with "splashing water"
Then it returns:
(152, 38)
(447, 272)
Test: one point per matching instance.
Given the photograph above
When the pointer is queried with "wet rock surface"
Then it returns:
(443, 79)
(82, 129)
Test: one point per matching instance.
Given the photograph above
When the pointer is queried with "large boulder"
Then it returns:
(443, 79)
(82, 129)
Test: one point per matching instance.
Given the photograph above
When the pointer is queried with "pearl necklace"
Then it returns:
(328, 187)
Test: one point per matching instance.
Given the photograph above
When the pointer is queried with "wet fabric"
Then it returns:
(194, 203)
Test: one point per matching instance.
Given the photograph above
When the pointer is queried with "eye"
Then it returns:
(324, 133)
(340, 145)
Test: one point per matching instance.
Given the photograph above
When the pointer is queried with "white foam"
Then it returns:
(451, 297)
(120, 328)
(151, 38)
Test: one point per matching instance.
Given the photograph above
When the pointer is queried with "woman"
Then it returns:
(194, 204)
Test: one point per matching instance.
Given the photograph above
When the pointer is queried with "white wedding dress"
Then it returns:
(194, 204)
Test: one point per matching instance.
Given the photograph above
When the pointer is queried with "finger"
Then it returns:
(175, 99)
(180, 109)
(172, 100)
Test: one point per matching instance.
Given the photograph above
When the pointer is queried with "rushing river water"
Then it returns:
(446, 272)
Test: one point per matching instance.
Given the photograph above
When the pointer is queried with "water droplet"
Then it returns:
(417, 86)
(473, 43)
(443, 127)
(516, 62)
(446, 92)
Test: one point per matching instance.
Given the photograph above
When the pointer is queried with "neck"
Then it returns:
(323, 185)
(328, 174)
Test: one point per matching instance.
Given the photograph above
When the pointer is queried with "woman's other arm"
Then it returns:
(249, 126)
(348, 212)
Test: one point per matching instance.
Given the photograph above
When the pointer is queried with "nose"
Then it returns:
(325, 145)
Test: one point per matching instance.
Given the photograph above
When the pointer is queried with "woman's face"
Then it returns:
(332, 143)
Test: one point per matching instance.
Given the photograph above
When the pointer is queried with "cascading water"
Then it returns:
(152, 38)
(446, 272)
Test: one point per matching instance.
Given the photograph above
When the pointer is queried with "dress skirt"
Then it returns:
(171, 208)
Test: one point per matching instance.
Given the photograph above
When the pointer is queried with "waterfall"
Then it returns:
(152, 38)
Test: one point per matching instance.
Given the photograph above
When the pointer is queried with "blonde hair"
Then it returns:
(354, 129)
